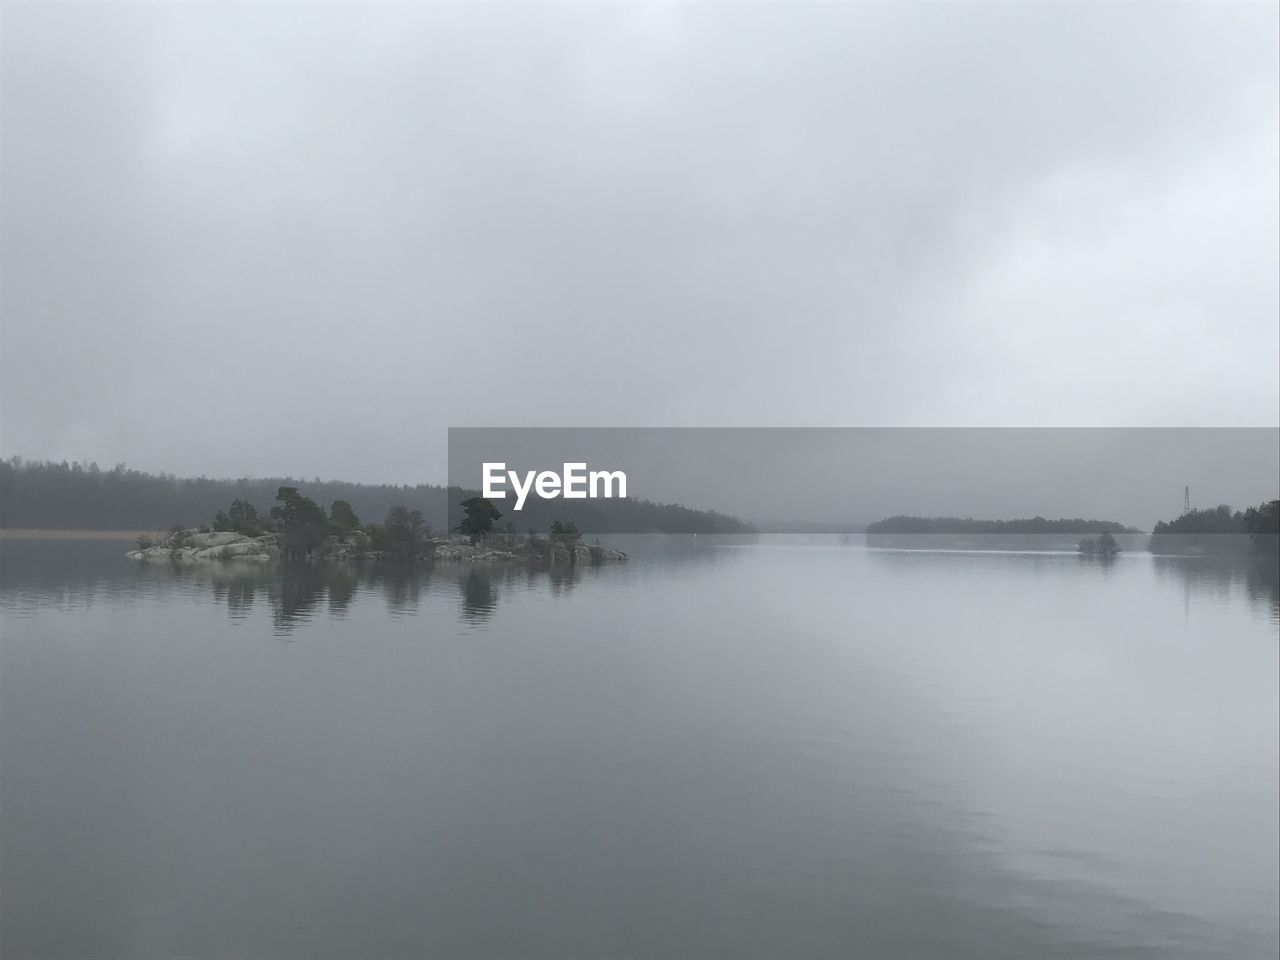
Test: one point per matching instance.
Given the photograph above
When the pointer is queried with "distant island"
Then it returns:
(1254, 532)
(1031, 525)
(1221, 531)
(298, 529)
(1103, 546)
(1025, 533)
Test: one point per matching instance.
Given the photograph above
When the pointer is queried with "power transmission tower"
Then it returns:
(1186, 499)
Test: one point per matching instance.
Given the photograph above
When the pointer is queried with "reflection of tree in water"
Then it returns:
(52, 572)
(301, 586)
(1103, 560)
(240, 587)
(1263, 584)
(563, 577)
(344, 583)
(295, 591)
(480, 586)
(402, 585)
(478, 595)
(1220, 577)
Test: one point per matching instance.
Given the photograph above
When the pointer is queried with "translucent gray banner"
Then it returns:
(730, 480)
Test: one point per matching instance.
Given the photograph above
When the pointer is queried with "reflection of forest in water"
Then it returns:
(35, 573)
(1221, 577)
(1206, 577)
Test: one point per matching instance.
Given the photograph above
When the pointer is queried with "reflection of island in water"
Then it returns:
(296, 592)
(1201, 578)
(42, 572)
(1210, 577)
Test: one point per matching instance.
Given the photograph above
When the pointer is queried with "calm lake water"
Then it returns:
(787, 750)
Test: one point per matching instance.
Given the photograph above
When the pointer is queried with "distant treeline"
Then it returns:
(1038, 525)
(82, 496)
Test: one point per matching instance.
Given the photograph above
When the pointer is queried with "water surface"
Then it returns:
(786, 750)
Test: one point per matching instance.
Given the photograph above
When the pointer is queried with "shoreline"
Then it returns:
(42, 533)
(357, 546)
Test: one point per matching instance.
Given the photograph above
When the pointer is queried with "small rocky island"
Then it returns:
(299, 530)
(1104, 545)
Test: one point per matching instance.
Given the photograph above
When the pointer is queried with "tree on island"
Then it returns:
(242, 517)
(301, 523)
(1104, 545)
(1263, 524)
(565, 533)
(479, 518)
(342, 518)
(405, 534)
(1219, 519)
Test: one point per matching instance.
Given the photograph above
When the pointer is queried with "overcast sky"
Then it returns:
(305, 239)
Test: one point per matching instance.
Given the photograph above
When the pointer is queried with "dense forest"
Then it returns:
(1036, 525)
(76, 496)
(1221, 530)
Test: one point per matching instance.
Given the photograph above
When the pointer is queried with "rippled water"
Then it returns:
(786, 750)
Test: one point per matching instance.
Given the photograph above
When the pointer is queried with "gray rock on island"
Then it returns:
(194, 546)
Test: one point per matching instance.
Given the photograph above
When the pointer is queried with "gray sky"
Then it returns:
(305, 239)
